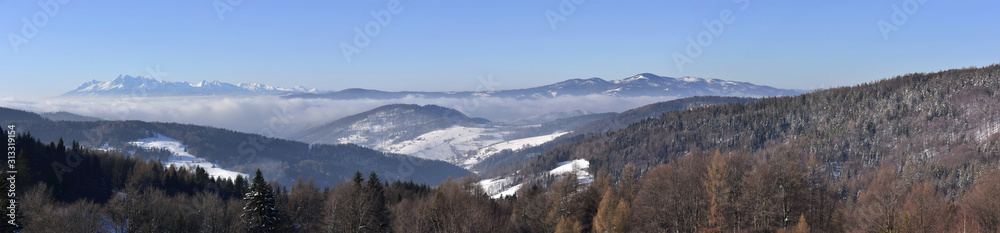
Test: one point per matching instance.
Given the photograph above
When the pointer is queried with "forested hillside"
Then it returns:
(8, 114)
(914, 153)
(912, 117)
(626, 118)
(67, 116)
(108, 192)
(508, 162)
(562, 124)
(285, 160)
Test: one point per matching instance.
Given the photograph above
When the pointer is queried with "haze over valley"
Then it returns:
(500, 116)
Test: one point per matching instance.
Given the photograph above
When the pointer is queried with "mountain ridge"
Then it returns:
(146, 86)
(67, 116)
(643, 84)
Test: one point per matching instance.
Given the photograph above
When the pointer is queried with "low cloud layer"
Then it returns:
(274, 116)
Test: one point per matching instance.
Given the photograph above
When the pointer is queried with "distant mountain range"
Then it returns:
(126, 85)
(639, 85)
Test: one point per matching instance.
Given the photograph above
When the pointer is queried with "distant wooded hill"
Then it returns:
(243, 152)
(509, 161)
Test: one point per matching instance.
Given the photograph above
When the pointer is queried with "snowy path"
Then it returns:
(180, 156)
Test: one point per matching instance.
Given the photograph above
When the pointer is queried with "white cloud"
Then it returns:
(276, 116)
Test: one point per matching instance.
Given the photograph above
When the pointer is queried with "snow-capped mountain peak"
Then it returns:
(124, 78)
(119, 83)
(142, 85)
(640, 77)
(692, 79)
(265, 87)
(254, 86)
(215, 83)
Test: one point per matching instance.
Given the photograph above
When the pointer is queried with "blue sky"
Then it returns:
(448, 45)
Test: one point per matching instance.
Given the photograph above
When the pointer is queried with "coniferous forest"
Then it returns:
(915, 153)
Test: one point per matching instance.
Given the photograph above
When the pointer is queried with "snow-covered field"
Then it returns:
(579, 166)
(507, 192)
(517, 144)
(501, 187)
(464, 146)
(447, 143)
(104, 147)
(181, 157)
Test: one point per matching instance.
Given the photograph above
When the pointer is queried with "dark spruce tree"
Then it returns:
(376, 196)
(240, 185)
(260, 212)
(360, 206)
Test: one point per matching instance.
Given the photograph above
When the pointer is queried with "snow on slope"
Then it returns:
(181, 157)
(464, 146)
(501, 187)
(507, 192)
(579, 166)
(517, 144)
(381, 124)
(446, 143)
(494, 185)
